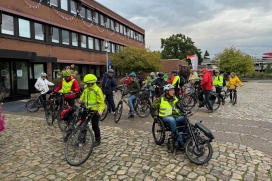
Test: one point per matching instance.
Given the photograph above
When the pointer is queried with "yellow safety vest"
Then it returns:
(166, 109)
(66, 86)
(90, 98)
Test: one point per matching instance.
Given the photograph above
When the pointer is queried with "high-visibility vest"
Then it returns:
(90, 98)
(66, 86)
(166, 109)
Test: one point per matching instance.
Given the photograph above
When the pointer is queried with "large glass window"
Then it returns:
(55, 36)
(74, 39)
(24, 28)
(113, 48)
(97, 44)
(38, 31)
(83, 41)
(107, 22)
(38, 68)
(121, 29)
(54, 2)
(83, 12)
(102, 21)
(96, 17)
(65, 37)
(90, 42)
(117, 27)
(73, 7)
(112, 24)
(89, 15)
(131, 33)
(125, 30)
(64, 5)
(7, 25)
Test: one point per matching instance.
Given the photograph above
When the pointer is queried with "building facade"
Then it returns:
(173, 64)
(47, 35)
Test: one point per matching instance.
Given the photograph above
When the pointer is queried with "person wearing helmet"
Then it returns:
(109, 88)
(94, 99)
(173, 72)
(176, 82)
(218, 83)
(148, 83)
(68, 84)
(134, 90)
(206, 85)
(158, 84)
(42, 85)
(166, 106)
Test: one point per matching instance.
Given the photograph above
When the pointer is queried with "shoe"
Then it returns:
(113, 113)
(97, 142)
(223, 102)
(180, 145)
(209, 111)
(200, 105)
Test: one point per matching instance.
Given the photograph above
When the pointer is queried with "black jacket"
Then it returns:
(109, 85)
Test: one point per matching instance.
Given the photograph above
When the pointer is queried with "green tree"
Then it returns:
(178, 47)
(234, 60)
(206, 54)
(268, 69)
(135, 59)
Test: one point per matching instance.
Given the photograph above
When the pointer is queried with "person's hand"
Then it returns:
(100, 113)
(41, 90)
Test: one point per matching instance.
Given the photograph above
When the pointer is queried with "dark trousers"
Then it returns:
(140, 83)
(95, 124)
(231, 92)
(177, 92)
(42, 97)
(111, 104)
(71, 102)
(152, 95)
(206, 93)
(218, 91)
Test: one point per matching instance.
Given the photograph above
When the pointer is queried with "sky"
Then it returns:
(212, 24)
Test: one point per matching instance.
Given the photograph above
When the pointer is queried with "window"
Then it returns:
(90, 42)
(7, 25)
(97, 44)
(65, 37)
(38, 68)
(24, 28)
(121, 29)
(102, 21)
(82, 12)
(125, 30)
(112, 24)
(55, 36)
(89, 15)
(117, 27)
(107, 22)
(113, 48)
(73, 7)
(131, 33)
(74, 39)
(54, 2)
(64, 5)
(96, 17)
(83, 41)
(38, 31)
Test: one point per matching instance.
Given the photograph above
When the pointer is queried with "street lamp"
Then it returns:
(106, 49)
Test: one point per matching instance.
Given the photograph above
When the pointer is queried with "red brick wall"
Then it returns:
(169, 65)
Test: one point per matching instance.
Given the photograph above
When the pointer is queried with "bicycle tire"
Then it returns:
(142, 108)
(32, 105)
(188, 102)
(76, 141)
(215, 104)
(105, 112)
(161, 131)
(61, 122)
(224, 94)
(49, 112)
(192, 150)
(118, 112)
(234, 99)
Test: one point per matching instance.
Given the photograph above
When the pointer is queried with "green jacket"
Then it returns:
(165, 76)
(218, 81)
(157, 103)
(148, 83)
(134, 88)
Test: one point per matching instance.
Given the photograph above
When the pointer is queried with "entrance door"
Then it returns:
(19, 76)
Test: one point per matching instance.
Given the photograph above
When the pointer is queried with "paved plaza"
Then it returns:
(30, 149)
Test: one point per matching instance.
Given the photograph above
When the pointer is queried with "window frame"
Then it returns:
(30, 32)
(52, 35)
(34, 31)
(13, 23)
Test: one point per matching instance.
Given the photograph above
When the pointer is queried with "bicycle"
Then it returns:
(80, 141)
(227, 93)
(33, 105)
(106, 110)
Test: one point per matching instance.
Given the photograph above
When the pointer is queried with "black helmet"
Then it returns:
(174, 71)
(160, 74)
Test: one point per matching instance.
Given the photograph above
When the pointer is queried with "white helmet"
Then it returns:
(43, 74)
(152, 74)
(168, 87)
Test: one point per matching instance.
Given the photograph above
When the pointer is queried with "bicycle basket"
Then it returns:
(66, 113)
(144, 95)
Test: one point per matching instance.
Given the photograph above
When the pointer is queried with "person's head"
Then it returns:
(160, 75)
(191, 71)
(174, 71)
(152, 74)
(232, 74)
(43, 75)
(106, 73)
(90, 80)
(169, 90)
(204, 70)
(67, 74)
(216, 72)
(110, 72)
(132, 76)
(139, 72)
(67, 68)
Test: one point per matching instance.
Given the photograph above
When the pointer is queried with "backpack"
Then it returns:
(181, 81)
(224, 81)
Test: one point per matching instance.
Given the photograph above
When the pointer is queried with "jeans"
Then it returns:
(207, 98)
(111, 104)
(152, 95)
(130, 101)
(173, 122)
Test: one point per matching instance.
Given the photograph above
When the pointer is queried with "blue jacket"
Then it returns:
(109, 85)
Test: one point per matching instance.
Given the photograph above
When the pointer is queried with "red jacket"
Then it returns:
(172, 78)
(127, 81)
(75, 87)
(206, 82)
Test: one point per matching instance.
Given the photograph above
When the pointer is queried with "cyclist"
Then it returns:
(166, 105)
(158, 84)
(109, 88)
(206, 85)
(42, 85)
(151, 79)
(94, 99)
(176, 82)
(68, 85)
(218, 83)
(134, 89)
(233, 81)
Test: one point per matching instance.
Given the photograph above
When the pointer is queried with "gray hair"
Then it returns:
(233, 73)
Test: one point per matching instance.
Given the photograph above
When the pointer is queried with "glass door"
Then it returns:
(4, 80)
(19, 77)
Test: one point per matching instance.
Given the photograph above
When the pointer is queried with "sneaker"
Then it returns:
(209, 111)
(180, 145)
(113, 113)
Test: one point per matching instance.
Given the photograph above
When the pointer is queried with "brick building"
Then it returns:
(46, 35)
(173, 64)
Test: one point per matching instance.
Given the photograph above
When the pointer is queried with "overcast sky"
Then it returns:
(212, 24)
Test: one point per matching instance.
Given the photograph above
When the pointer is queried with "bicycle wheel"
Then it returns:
(118, 112)
(61, 122)
(32, 105)
(234, 99)
(188, 102)
(224, 94)
(79, 146)
(158, 131)
(200, 152)
(49, 112)
(215, 101)
(105, 112)
(142, 108)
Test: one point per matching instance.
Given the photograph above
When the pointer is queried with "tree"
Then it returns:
(268, 69)
(206, 54)
(137, 59)
(178, 47)
(234, 60)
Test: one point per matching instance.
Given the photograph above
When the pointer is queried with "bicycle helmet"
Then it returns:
(90, 79)
(216, 71)
(160, 74)
(43, 74)
(132, 74)
(66, 73)
(168, 87)
(111, 71)
(174, 71)
(152, 74)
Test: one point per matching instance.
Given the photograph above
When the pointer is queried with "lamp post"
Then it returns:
(106, 49)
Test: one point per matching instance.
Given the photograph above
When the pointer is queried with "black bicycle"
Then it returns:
(106, 110)
(229, 92)
(79, 145)
(34, 104)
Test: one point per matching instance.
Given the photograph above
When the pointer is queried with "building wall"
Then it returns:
(172, 64)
